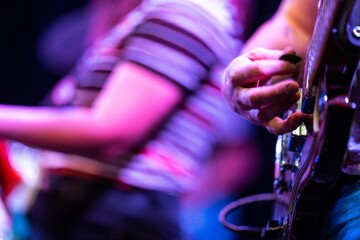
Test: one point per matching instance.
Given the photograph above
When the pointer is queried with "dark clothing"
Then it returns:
(73, 208)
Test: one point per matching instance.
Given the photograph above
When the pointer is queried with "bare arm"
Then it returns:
(292, 25)
(127, 109)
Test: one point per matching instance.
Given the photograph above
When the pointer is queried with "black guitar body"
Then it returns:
(306, 213)
(309, 160)
(328, 76)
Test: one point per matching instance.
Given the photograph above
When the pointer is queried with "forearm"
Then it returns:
(70, 131)
(122, 116)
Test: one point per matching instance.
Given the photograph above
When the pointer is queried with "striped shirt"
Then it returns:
(189, 42)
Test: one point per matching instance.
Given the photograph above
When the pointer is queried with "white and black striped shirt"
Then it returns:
(189, 42)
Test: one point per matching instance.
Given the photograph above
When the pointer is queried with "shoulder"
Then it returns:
(218, 13)
(212, 22)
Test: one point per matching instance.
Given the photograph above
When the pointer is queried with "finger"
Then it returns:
(259, 64)
(280, 126)
(277, 108)
(247, 74)
(266, 114)
(258, 97)
(263, 53)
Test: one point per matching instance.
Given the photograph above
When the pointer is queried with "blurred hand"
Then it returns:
(249, 92)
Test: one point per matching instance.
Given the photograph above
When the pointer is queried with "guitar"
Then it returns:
(328, 75)
(309, 160)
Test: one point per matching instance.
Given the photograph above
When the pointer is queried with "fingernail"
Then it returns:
(290, 89)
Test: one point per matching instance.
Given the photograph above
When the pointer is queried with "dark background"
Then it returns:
(23, 80)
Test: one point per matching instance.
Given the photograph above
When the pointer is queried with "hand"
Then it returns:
(249, 92)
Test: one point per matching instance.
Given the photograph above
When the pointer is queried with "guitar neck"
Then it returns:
(327, 14)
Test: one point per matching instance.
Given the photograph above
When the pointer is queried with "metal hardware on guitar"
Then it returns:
(287, 162)
(288, 155)
(309, 160)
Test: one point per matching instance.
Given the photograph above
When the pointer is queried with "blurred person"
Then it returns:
(141, 113)
(9, 177)
(236, 159)
(16, 195)
(263, 104)
(9, 180)
(234, 168)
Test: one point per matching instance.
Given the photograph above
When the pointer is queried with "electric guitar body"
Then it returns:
(327, 78)
(309, 160)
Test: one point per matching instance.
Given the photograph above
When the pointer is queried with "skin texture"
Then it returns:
(132, 96)
(249, 84)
